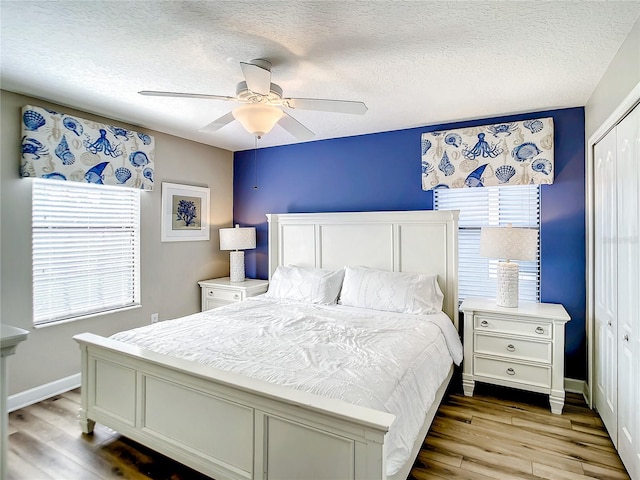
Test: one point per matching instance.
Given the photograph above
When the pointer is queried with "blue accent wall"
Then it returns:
(382, 171)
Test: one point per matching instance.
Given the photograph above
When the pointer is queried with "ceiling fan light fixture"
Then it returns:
(257, 119)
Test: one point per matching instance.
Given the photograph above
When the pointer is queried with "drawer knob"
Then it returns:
(539, 330)
(236, 296)
(511, 348)
(484, 323)
(626, 337)
(210, 293)
(511, 371)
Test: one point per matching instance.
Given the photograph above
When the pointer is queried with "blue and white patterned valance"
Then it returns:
(64, 147)
(514, 153)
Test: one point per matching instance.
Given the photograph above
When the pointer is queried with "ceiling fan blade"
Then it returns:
(218, 124)
(295, 128)
(258, 78)
(154, 93)
(338, 106)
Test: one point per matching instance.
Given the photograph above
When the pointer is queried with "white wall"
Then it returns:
(169, 271)
(620, 78)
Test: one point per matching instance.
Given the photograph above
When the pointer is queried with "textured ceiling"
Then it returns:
(412, 63)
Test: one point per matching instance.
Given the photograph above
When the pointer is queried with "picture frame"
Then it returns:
(185, 213)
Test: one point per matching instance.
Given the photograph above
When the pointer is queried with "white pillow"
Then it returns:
(391, 291)
(303, 284)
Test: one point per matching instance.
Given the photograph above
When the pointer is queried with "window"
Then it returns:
(86, 241)
(491, 206)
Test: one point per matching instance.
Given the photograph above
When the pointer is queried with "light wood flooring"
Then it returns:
(496, 434)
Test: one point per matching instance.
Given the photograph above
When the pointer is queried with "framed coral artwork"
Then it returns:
(185, 213)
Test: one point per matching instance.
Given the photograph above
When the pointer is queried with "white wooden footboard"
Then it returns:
(226, 425)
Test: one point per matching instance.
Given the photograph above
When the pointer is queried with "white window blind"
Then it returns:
(491, 206)
(86, 242)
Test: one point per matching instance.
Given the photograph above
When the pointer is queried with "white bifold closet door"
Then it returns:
(628, 159)
(605, 280)
(617, 286)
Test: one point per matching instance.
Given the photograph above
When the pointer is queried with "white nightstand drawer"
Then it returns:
(513, 371)
(211, 304)
(222, 291)
(220, 294)
(515, 326)
(513, 348)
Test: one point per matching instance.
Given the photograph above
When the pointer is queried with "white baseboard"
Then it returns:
(37, 394)
(574, 386)
(577, 386)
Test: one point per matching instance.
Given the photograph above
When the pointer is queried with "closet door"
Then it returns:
(628, 172)
(605, 284)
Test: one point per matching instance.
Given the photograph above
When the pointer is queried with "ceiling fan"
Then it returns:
(261, 99)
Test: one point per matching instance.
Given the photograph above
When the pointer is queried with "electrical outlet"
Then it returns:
(154, 318)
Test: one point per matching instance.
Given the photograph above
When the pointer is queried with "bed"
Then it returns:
(233, 425)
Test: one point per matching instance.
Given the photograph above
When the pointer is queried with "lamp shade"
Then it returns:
(237, 238)
(257, 118)
(510, 243)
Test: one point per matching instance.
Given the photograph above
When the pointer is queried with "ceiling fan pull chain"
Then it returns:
(255, 163)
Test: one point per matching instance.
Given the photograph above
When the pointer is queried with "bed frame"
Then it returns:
(233, 427)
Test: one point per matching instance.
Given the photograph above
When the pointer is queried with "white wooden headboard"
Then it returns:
(423, 241)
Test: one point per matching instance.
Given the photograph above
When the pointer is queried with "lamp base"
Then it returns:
(236, 273)
(507, 285)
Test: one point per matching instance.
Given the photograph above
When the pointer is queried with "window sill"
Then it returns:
(85, 317)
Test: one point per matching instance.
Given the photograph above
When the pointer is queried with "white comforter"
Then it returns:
(386, 361)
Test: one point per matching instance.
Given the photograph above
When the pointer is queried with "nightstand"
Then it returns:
(220, 291)
(520, 347)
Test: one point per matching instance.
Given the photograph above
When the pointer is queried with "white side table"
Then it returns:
(220, 291)
(520, 347)
(10, 337)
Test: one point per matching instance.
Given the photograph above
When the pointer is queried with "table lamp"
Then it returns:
(508, 243)
(237, 239)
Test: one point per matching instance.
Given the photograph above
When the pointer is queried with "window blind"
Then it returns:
(491, 206)
(86, 241)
